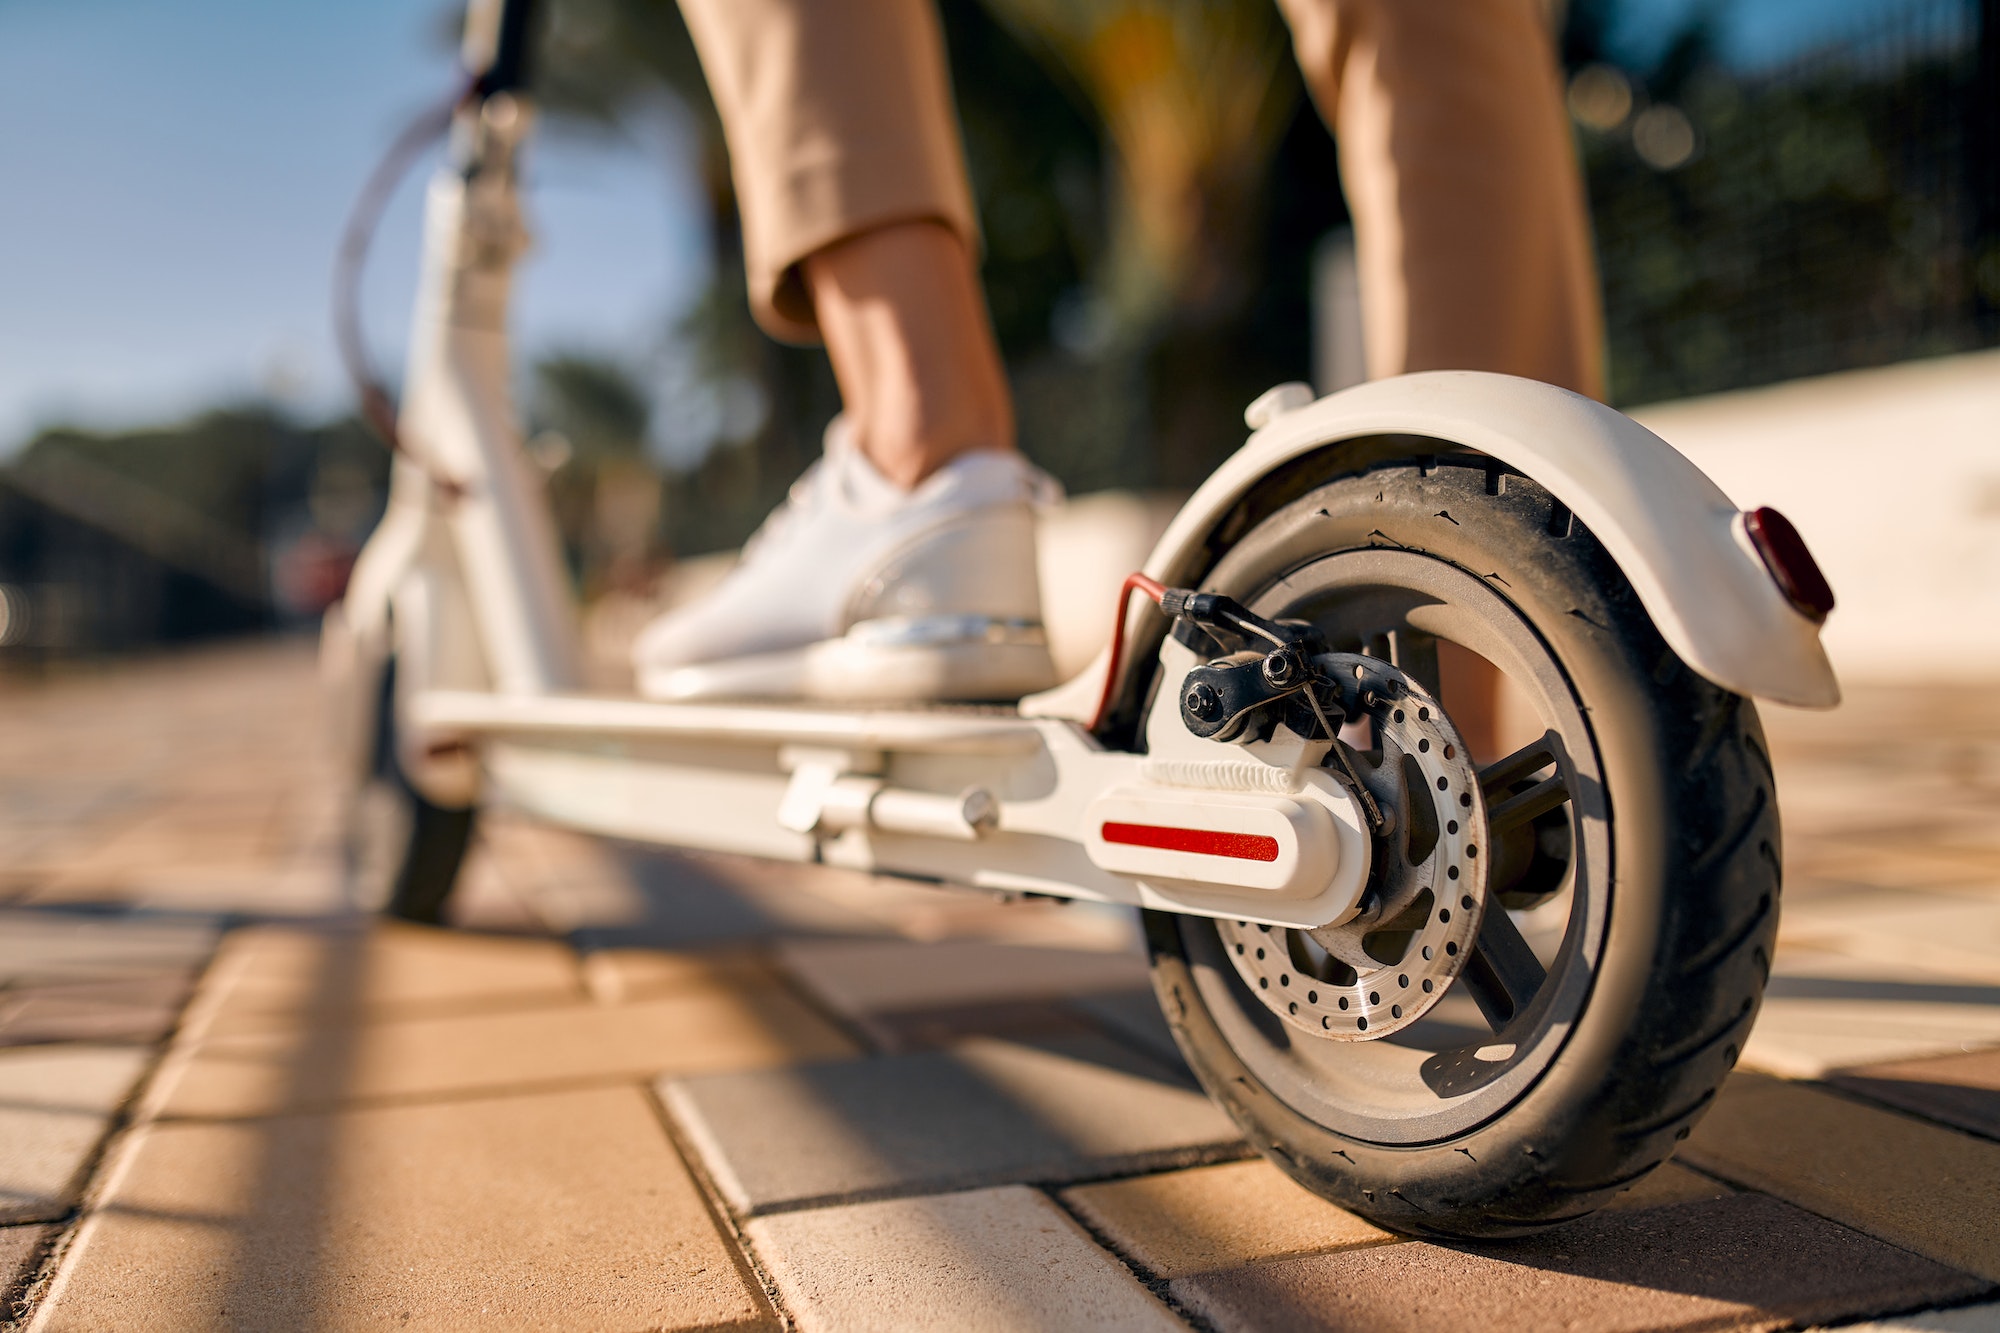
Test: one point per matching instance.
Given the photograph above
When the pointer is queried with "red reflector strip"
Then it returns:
(1791, 565)
(1200, 841)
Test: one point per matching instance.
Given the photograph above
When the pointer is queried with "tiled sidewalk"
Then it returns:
(636, 1090)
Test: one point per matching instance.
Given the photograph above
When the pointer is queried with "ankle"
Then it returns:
(906, 329)
(907, 447)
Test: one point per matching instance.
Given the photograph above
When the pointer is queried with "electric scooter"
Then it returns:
(1460, 998)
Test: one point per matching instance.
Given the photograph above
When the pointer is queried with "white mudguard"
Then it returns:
(1673, 532)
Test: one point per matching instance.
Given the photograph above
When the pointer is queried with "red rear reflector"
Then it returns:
(1792, 567)
(1200, 841)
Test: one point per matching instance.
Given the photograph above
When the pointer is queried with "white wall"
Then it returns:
(1893, 477)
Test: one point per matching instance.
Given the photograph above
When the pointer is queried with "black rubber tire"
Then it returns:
(1693, 888)
(439, 837)
(425, 843)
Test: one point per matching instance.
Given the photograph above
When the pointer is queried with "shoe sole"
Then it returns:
(997, 663)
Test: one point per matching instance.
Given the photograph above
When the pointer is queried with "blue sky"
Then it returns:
(176, 173)
(1751, 33)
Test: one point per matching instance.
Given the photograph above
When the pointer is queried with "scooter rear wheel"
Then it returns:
(1648, 894)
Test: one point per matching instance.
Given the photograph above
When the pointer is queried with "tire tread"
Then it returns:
(1715, 928)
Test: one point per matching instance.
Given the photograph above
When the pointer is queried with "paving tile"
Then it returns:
(670, 899)
(715, 1028)
(160, 840)
(557, 1210)
(484, 902)
(1056, 1026)
(988, 1261)
(1135, 1016)
(863, 977)
(615, 976)
(1212, 1217)
(1981, 1318)
(1945, 932)
(983, 1113)
(1960, 1090)
(1745, 1262)
(825, 900)
(1029, 1022)
(1669, 1185)
(662, 898)
(276, 977)
(1824, 1010)
(1030, 995)
(1905, 863)
(266, 889)
(136, 1010)
(45, 945)
(1091, 1047)
(605, 894)
(1913, 1184)
(566, 879)
(56, 1102)
(20, 1255)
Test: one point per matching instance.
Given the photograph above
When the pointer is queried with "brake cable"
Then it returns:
(1215, 611)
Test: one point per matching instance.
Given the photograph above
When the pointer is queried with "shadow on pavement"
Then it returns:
(1790, 987)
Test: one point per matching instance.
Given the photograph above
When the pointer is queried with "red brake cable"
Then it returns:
(1154, 590)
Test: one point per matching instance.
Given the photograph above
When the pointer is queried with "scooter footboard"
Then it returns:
(985, 799)
(714, 797)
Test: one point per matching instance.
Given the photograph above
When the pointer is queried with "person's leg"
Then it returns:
(1470, 229)
(1471, 237)
(905, 324)
(903, 564)
(858, 222)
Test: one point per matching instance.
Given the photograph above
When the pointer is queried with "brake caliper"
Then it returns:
(1382, 969)
(1244, 695)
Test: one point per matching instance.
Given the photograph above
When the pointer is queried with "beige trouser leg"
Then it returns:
(1469, 225)
(1473, 242)
(839, 119)
(1470, 231)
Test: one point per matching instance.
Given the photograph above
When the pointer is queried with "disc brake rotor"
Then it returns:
(1382, 971)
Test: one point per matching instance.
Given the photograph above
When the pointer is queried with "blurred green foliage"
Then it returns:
(1825, 221)
(237, 519)
(236, 474)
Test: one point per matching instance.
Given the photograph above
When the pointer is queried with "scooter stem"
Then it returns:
(458, 413)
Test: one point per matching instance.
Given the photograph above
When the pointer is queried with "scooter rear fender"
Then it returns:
(1673, 532)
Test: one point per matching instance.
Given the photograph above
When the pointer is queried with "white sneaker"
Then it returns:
(858, 590)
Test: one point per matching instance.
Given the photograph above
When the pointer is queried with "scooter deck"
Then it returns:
(974, 795)
(934, 728)
(719, 776)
